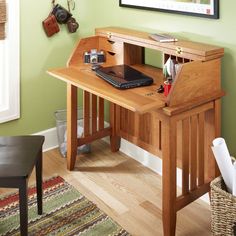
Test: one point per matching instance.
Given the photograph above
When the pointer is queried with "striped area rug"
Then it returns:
(66, 212)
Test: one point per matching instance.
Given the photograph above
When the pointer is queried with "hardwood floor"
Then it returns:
(127, 191)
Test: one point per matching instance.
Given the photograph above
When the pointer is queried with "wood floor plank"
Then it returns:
(125, 190)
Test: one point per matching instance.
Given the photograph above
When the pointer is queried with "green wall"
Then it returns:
(41, 95)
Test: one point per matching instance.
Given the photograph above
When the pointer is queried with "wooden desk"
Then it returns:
(178, 128)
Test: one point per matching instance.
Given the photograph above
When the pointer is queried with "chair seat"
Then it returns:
(18, 155)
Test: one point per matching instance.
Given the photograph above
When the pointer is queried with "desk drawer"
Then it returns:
(113, 51)
(111, 46)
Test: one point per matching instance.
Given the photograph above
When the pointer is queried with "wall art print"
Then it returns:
(202, 8)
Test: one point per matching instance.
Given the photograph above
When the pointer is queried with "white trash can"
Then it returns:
(60, 116)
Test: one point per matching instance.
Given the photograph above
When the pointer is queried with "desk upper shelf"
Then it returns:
(183, 48)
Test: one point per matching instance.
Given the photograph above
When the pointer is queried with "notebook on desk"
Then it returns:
(123, 76)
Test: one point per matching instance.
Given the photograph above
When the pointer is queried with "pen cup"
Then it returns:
(167, 87)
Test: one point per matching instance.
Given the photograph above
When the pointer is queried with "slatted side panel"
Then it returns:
(193, 148)
(209, 128)
(94, 114)
(101, 114)
(201, 166)
(195, 132)
(185, 155)
(93, 119)
(86, 113)
(193, 153)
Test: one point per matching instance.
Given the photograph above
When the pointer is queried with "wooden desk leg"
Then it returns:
(71, 126)
(169, 177)
(114, 138)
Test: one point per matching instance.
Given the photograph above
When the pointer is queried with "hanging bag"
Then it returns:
(50, 24)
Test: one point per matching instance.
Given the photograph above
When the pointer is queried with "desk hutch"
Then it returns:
(178, 128)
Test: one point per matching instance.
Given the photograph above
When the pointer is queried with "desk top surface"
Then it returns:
(140, 99)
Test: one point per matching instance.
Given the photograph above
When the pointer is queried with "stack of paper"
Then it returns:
(163, 38)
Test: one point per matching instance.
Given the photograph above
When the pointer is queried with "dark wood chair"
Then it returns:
(18, 156)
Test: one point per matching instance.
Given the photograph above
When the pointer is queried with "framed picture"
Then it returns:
(202, 8)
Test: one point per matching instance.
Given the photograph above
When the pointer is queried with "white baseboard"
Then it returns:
(145, 158)
(50, 139)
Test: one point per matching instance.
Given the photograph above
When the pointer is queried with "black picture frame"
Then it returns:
(206, 10)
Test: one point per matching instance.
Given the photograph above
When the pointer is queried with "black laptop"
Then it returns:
(123, 76)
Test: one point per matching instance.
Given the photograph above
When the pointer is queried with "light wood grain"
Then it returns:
(133, 54)
(194, 80)
(114, 137)
(86, 113)
(169, 191)
(193, 149)
(125, 190)
(185, 156)
(94, 114)
(101, 113)
(71, 125)
(191, 50)
(84, 45)
(160, 125)
(201, 136)
(132, 99)
(193, 103)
